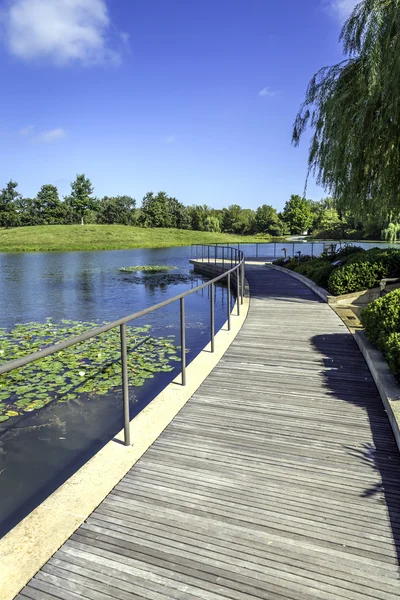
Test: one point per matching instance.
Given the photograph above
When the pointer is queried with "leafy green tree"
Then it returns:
(212, 224)
(9, 200)
(81, 200)
(48, 205)
(354, 112)
(297, 214)
(231, 222)
(154, 211)
(179, 215)
(267, 221)
(199, 216)
(117, 209)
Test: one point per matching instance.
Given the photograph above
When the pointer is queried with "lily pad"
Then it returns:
(92, 367)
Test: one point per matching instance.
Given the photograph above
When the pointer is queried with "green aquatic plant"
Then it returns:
(163, 279)
(92, 367)
(147, 269)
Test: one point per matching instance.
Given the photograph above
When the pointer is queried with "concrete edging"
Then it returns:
(386, 382)
(31, 543)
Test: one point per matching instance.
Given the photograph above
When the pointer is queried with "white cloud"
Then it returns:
(340, 9)
(47, 136)
(266, 93)
(60, 31)
(51, 135)
(170, 139)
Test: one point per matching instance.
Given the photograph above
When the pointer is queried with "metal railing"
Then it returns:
(237, 267)
(271, 250)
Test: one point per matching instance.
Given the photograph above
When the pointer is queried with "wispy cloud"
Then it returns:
(340, 9)
(61, 31)
(170, 139)
(47, 136)
(52, 135)
(266, 93)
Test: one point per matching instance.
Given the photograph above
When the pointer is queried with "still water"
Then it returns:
(40, 450)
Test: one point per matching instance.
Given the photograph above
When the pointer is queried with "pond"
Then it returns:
(39, 450)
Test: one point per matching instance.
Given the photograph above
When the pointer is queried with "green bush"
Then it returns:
(392, 352)
(381, 320)
(356, 276)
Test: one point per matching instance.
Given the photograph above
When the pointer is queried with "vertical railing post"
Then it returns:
(215, 255)
(238, 290)
(293, 249)
(312, 249)
(242, 282)
(125, 385)
(183, 340)
(275, 250)
(208, 253)
(202, 253)
(256, 250)
(212, 317)
(229, 302)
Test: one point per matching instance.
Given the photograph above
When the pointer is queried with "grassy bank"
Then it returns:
(59, 238)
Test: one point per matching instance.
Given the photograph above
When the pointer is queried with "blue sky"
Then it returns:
(193, 98)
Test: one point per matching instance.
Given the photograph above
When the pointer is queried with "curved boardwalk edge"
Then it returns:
(27, 547)
(278, 479)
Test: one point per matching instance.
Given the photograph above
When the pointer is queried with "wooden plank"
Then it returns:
(278, 480)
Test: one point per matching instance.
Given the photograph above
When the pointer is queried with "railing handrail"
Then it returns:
(121, 323)
(21, 362)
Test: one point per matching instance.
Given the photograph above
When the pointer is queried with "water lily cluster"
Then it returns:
(92, 367)
(147, 269)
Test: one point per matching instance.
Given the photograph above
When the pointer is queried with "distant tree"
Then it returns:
(297, 214)
(212, 224)
(199, 215)
(267, 221)
(49, 206)
(117, 209)
(231, 222)
(81, 200)
(9, 200)
(179, 215)
(154, 211)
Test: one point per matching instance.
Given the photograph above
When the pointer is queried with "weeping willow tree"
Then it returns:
(353, 109)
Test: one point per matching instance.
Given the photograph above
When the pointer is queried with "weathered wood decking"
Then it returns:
(279, 479)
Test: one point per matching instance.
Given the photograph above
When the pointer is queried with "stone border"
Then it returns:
(31, 543)
(385, 381)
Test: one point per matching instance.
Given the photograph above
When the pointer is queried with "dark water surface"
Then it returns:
(40, 450)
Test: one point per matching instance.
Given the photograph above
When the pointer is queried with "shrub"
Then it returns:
(381, 318)
(356, 276)
(280, 262)
(391, 351)
(346, 252)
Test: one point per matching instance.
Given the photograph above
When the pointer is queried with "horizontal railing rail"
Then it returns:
(290, 249)
(236, 267)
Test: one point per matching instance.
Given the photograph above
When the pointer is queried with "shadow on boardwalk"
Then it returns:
(382, 455)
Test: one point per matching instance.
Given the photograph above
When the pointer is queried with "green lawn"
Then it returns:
(55, 238)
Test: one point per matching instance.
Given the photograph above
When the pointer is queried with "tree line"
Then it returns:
(298, 216)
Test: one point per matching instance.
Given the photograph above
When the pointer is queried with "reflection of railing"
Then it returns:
(237, 267)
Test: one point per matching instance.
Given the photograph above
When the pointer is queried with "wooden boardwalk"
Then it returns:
(280, 479)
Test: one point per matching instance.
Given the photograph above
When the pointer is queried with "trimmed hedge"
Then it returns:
(356, 269)
(356, 276)
(381, 320)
